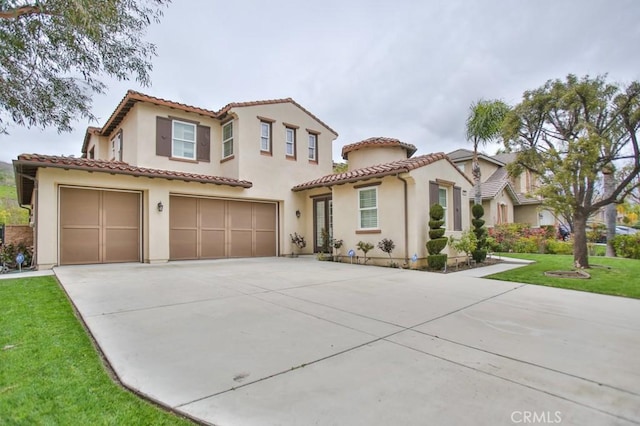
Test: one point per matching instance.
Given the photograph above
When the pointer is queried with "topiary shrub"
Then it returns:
(480, 252)
(365, 247)
(437, 240)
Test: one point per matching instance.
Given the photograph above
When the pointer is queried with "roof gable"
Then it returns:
(378, 142)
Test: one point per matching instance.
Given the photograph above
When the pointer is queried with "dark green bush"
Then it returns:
(627, 246)
(437, 233)
(436, 212)
(479, 255)
(437, 261)
(9, 252)
(436, 246)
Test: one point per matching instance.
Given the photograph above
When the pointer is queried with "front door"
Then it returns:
(322, 222)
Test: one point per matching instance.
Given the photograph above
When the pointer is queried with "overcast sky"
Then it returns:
(406, 69)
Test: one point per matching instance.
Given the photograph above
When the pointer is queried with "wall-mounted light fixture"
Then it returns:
(298, 214)
(160, 206)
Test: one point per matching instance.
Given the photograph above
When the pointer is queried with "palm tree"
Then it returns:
(483, 126)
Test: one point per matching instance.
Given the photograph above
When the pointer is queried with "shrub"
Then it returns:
(479, 253)
(466, 244)
(437, 239)
(9, 252)
(365, 248)
(325, 246)
(555, 246)
(437, 261)
(387, 245)
(627, 245)
(507, 235)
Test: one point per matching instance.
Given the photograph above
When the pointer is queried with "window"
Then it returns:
(265, 136)
(183, 139)
(442, 200)
(290, 142)
(313, 147)
(368, 208)
(227, 140)
(116, 147)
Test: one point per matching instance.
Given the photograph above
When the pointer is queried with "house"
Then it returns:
(161, 180)
(386, 193)
(506, 199)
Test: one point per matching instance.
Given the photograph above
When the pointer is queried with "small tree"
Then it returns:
(325, 246)
(479, 254)
(437, 240)
(336, 244)
(298, 240)
(467, 243)
(365, 248)
(387, 245)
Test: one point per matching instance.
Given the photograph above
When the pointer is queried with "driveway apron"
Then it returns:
(280, 341)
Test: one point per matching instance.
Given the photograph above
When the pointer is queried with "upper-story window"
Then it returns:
(313, 147)
(227, 140)
(290, 142)
(265, 136)
(116, 147)
(183, 137)
(368, 208)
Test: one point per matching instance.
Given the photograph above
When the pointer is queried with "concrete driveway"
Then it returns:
(283, 341)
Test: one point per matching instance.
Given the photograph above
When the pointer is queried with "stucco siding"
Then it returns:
(371, 156)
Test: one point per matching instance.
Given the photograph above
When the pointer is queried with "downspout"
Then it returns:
(406, 220)
(34, 258)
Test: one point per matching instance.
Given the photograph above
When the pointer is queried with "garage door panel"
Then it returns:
(183, 212)
(240, 215)
(121, 209)
(121, 245)
(184, 244)
(265, 216)
(241, 244)
(212, 244)
(79, 246)
(265, 243)
(212, 214)
(79, 207)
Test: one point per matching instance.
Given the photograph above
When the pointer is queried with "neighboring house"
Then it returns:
(165, 181)
(386, 193)
(505, 199)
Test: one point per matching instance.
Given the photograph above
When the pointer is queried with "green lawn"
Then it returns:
(615, 276)
(50, 373)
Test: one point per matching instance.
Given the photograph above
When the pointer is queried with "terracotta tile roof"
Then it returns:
(132, 97)
(28, 163)
(380, 170)
(378, 141)
(232, 105)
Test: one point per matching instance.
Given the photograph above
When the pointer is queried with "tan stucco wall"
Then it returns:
(373, 155)
(391, 212)
(155, 224)
(527, 214)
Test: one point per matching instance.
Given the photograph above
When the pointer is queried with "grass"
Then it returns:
(50, 373)
(614, 276)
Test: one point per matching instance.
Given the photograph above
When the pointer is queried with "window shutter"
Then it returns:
(204, 144)
(120, 148)
(434, 195)
(457, 208)
(163, 136)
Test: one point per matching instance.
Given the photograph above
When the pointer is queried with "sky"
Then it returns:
(406, 69)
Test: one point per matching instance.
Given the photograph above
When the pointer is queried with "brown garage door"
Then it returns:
(204, 228)
(99, 226)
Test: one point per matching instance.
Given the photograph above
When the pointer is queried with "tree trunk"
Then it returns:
(580, 249)
(610, 212)
(477, 190)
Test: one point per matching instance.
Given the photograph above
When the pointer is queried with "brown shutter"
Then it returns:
(433, 193)
(121, 146)
(204, 144)
(163, 136)
(457, 208)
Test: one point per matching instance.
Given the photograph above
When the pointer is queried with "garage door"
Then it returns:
(205, 228)
(99, 226)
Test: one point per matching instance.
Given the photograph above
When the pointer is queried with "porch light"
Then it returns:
(298, 214)
(160, 206)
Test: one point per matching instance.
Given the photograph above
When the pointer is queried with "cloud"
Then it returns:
(401, 69)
